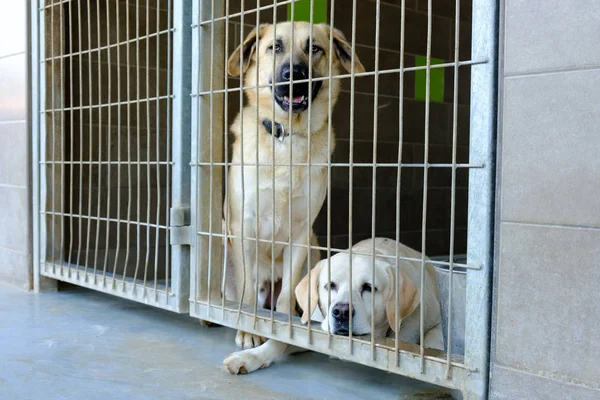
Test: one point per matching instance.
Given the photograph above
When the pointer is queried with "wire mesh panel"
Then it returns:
(346, 132)
(105, 146)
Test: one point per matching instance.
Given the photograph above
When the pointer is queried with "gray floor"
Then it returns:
(79, 344)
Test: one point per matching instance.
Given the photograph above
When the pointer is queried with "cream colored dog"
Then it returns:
(389, 306)
(285, 194)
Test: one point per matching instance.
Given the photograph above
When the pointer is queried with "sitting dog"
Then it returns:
(383, 286)
(263, 132)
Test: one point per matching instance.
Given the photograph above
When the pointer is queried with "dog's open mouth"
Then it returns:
(298, 101)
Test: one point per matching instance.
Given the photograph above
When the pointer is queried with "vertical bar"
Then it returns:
(62, 138)
(425, 176)
(71, 153)
(273, 66)
(453, 186)
(90, 138)
(109, 146)
(257, 190)
(80, 230)
(183, 123)
(481, 191)
(128, 111)
(308, 203)
(226, 158)
(99, 194)
(399, 181)
(350, 173)
(148, 165)
(168, 179)
(291, 161)
(53, 119)
(157, 149)
(329, 138)
(211, 161)
(374, 171)
(118, 223)
(138, 216)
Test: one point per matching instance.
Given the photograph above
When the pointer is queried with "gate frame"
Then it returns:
(176, 297)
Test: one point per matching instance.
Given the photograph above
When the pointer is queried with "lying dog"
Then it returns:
(383, 287)
(268, 136)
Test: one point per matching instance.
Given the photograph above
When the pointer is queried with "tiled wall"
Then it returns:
(441, 118)
(15, 194)
(545, 343)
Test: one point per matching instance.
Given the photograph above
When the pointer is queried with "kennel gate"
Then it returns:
(110, 147)
(212, 93)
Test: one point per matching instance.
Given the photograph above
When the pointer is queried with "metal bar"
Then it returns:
(290, 166)
(109, 46)
(95, 218)
(481, 194)
(53, 144)
(329, 164)
(119, 162)
(337, 164)
(374, 172)
(309, 151)
(62, 139)
(425, 188)
(138, 118)
(148, 190)
(399, 182)
(90, 138)
(99, 194)
(210, 141)
(168, 138)
(453, 187)
(136, 102)
(80, 227)
(257, 189)
(349, 76)
(128, 110)
(158, 145)
(72, 134)
(273, 66)
(350, 175)
(109, 146)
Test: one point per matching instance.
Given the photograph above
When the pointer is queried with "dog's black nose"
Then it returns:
(341, 312)
(298, 71)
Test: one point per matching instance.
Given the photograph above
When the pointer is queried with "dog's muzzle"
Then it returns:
(340, 314)
(297, 99)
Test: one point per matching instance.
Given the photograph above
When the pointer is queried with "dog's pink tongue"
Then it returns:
(297, 99)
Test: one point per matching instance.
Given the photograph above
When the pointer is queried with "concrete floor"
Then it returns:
(80, 344)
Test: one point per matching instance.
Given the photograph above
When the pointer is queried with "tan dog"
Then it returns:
(382, 286)
(263, 131)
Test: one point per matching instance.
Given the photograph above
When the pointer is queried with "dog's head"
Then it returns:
(275, 54)
(380, 288)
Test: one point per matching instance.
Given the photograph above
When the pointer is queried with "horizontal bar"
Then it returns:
(244, 12)
(345, 251)
(115, 104)
(343, 76)
(315, 164)
(337, 346)
(121, 221)
(115, 286)
(57, 3)
(109, 162)
(96, 49)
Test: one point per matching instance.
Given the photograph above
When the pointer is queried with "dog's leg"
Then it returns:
(246, 361)
(291, 276)
(244, 271)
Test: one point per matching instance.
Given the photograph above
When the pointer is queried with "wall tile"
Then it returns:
(13, 88)
(550, 162)
(540, 36)
(510, 384)
(13, 27)
(15, 268)
(14, 216)
(547, 304)
(14, 163)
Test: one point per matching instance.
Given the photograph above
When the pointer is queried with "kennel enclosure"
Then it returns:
(131, 148)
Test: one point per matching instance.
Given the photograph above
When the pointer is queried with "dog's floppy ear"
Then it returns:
(408, 298)
(303, 292)
(344, 51)
(245, 51)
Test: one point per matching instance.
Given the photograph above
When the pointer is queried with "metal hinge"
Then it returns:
(181, 233)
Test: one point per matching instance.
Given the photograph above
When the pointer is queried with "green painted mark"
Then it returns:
(302, 11)
(436, 88)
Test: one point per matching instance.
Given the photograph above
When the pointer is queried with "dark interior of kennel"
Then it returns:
(114, 86)
(413, 122)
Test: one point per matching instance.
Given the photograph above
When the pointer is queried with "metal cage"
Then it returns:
(106, 136)
(218, 27)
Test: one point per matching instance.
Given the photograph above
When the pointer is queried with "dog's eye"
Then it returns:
(316, 49)
(367, 288)
(276, 48)
(330, 286)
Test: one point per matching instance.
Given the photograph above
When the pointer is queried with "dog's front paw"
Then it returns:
(245, 340)
(243, 362)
